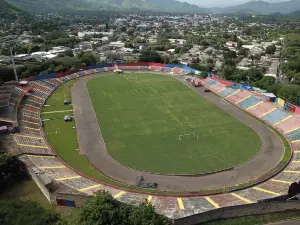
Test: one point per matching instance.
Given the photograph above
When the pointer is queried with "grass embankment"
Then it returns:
(26, 189)
(62, 135)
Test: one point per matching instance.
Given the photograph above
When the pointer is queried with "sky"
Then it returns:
(222, 3)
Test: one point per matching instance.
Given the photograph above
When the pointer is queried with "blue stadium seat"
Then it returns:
(248, 102)
(81, 73)
(65, 79)
(211, 83)
(101, 70)
(46, 84)
(39, 94)
(275, 116)
(294, 135)
(226, 92)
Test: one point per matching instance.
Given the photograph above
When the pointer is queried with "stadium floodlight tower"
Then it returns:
(13, 62)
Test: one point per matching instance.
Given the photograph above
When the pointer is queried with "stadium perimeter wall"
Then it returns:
(259, 208)
(54, 198)
(240, 211)
(221, 213)
(39, 183)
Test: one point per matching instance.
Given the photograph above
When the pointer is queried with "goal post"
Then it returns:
(224, 101)
(182, 137)
(130, 77)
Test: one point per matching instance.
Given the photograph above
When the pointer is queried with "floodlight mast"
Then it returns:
(13, 62)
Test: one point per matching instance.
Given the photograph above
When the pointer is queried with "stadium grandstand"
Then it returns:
(20, 109)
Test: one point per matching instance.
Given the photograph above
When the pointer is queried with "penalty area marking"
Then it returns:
(71, 110)
(53, 133)
(129, 77)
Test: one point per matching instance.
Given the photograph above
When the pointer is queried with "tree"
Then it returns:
(296, 78)
(230, 62)
(290, 93)
(101, 209)
(243, 51)
(9, 166)
(88, 58)
(202, 74)
(240, 75)
(145, 214)
(198, 66)
(34, 48)
(150, 56)
(265, 83)
(210, 60)
(128, 44)
(271, 49)
(210, 67)
(254, 74)
(60, 55)
(104, 209)
(69, 53)
(228, 72)
(27, 212)
(230, 55)
(123, 29)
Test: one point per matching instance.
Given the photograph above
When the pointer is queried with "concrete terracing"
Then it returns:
(63, 175)
(91, 143)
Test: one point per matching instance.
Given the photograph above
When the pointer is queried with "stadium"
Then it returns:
(152, 132)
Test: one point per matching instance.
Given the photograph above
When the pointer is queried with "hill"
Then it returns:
(124, 5)
(10, 12)
(262, 7)
(295, 14)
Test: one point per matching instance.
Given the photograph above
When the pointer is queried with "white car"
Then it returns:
(67, 118)
(118, 71)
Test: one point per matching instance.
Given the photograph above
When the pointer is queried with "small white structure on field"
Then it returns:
(67, 118)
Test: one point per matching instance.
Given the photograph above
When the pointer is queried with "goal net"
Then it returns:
(188, 136)
(130, 76)
(224, 101)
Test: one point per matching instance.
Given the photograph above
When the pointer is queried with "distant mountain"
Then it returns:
(295, 14)
(262, 7)
(10, 12)
(120, 5)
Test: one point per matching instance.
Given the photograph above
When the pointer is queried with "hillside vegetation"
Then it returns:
(124, 5)
(9, 12)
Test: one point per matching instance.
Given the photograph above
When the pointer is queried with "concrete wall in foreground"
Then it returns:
(239, 211)
(39, 183)
(263, 207)
(78, 199)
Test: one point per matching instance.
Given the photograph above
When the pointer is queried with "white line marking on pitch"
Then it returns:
(57, 111)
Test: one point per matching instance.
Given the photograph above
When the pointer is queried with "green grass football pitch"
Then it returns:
(155, 123)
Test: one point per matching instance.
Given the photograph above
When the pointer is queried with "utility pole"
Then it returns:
(13, 63)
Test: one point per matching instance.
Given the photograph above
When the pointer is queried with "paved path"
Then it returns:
(92, 144)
